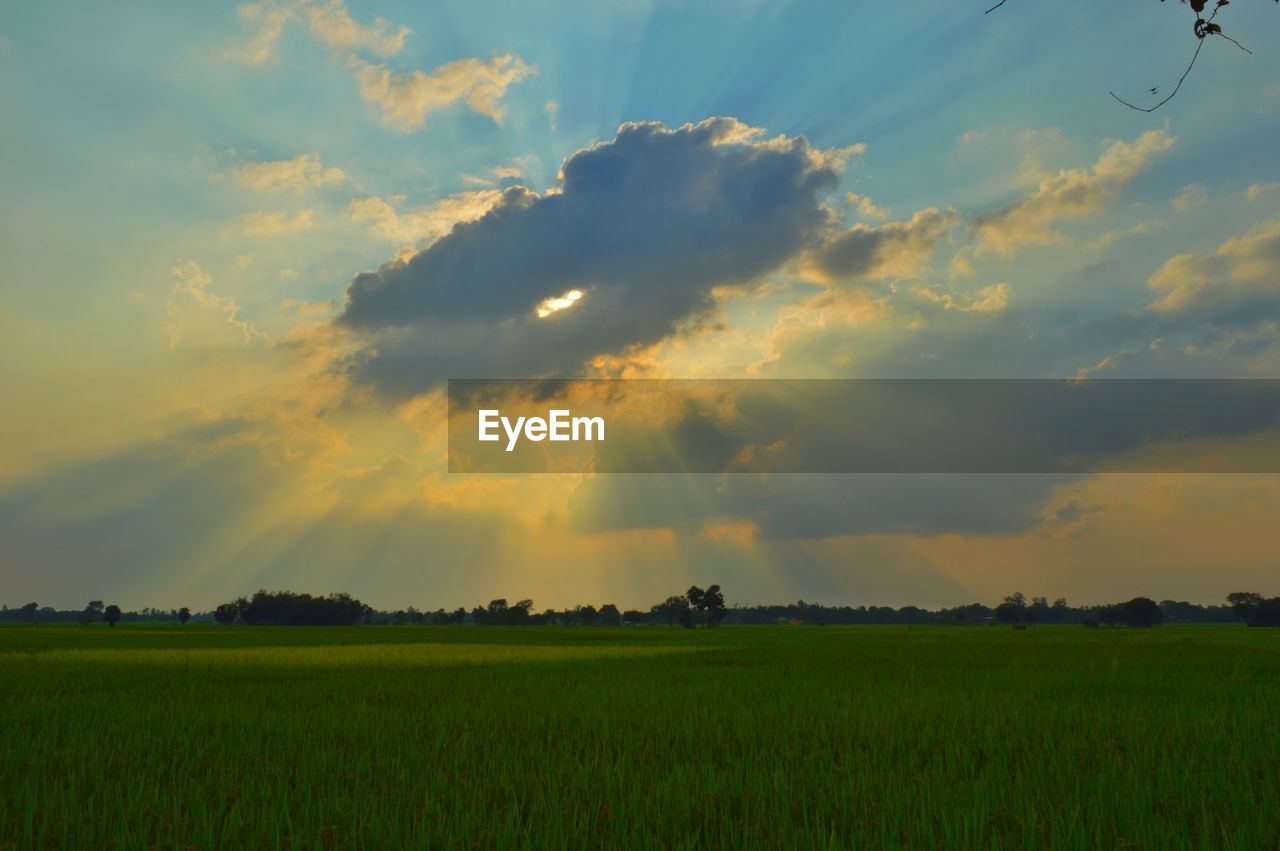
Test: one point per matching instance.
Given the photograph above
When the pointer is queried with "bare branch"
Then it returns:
(1190, 65)
(1236, 43)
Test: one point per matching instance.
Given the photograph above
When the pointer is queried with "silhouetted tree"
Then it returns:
(518, 615)
(1039, 611)
(610, 616)
(1254, 609)
(111, 614)
(286, 608)
(1013, 609)
(29, 612)
(92, 612)
(1244, 603)
(671, 610)
(697, 601)
(1141, 612)
(713, 604)
(184, 615)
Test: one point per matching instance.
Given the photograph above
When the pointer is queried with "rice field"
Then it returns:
(548, 738)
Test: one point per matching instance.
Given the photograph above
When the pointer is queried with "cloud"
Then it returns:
(332, 24)
(893, 249)
(1256, 190)
(267, 23)
(270, 225)
(866, 207)
(1192, 195)
(499, 175)
(295, 176)
(406, 99)
(1069, 194)
(960, 267)
(989, 299)
(1233, 283)
(552, 109)
(329, 22)
(645, 225)
(422, 224)
(191, 289)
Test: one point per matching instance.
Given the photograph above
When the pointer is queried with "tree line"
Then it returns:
(95, 612)
(696, 607)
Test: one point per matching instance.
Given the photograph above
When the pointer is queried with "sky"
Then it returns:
(242, 248)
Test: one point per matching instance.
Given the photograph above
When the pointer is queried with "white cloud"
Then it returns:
(191, 289)
(413, 227)
(1256, 190)
(332, 24)
(1192, 195)
(406, 99)
(327, 20)
(1243, 271)
(267, 23)
(1069, 194)
(515, 170)
(959, 267)
(990, 299)
(269, 225)
(866, 207)
(295, 176)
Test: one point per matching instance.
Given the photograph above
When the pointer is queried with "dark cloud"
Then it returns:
(644, 225)
(896, 248)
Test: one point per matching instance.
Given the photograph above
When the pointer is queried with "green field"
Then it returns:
(544, 738)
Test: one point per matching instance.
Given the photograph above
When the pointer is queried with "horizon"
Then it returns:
(731, 602)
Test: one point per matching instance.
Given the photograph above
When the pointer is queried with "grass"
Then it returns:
(547, 738)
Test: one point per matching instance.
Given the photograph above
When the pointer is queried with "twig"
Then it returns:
(1201, 33)
(1236, 43)
(1190, 65)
